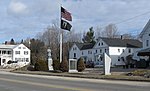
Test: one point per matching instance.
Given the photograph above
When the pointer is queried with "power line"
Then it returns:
(132, 18)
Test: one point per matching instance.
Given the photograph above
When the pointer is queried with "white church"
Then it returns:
(14, 56)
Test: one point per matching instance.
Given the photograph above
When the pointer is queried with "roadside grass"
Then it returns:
(134, 75)
(93, 75)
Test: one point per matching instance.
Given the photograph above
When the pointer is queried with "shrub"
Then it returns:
(141, 64)
(80, 65)
(56, 64)
(41, 65)
(64, 66)
(139, 72)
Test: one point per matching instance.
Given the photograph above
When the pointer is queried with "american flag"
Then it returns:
(65, 14)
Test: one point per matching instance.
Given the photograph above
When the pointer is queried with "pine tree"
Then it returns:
(89, 37)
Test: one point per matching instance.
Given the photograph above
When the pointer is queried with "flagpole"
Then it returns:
(61, 46)
(61, 38)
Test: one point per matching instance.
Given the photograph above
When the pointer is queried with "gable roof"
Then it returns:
(145, 29)
(117, 42)
(2, 46)
(84, 46)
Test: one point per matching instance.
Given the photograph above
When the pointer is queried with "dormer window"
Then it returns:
(74, 48)
(102, 43)
(99, 44)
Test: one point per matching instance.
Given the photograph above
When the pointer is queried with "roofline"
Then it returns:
(144, 29)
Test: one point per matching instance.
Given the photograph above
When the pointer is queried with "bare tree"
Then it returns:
(51, 38)
(127, 36)
(110, 31)
(98, 32)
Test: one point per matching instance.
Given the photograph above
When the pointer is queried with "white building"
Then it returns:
(145, 36)
(116, 48)
(14, 55)
(144, 53)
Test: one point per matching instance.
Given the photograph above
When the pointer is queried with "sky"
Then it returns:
(21, 19)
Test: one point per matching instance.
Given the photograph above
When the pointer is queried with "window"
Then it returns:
(25, 52)
(105, 50)
(3, 52)
(74, 48)
(9, 52)
(27, 59)
(74, 55)
(99, 44)
(118, 58)
(82, 53)
(89, 52)
(0, 52)
(17, 52)
(100, 50)
(24, 47)
(122, 50)
(4, 60)
(95, 51)
(129, 50)
(147, 43)
(19, 47)
(118, 50)
(149, 34)
(102, 43)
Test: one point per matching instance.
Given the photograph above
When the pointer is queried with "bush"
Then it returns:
(56, 64)
(64, 66)
(140, 72)
(41, 65)
(80, 65)
(141, 64)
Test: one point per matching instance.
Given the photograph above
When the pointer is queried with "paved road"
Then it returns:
(25, 82)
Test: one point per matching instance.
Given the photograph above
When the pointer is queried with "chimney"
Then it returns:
(121, 36)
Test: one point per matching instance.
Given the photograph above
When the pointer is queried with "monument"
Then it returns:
(73, 65)
(107, 64)
(50, 61)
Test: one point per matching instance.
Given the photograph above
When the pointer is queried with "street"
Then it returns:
(25, 82)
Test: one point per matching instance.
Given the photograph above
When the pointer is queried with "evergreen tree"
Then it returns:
(80, 65)
(89, 37)
(64, 66)
(12, 41)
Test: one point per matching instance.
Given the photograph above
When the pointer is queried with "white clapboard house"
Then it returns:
(14, 56)
(144, 53)
(116, 48)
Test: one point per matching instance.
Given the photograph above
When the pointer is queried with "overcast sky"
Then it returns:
(25, 18)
